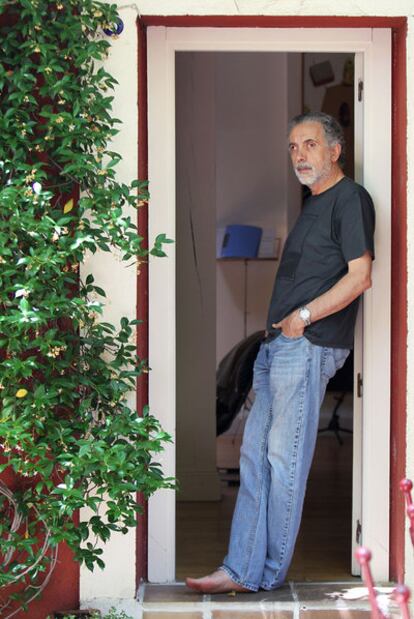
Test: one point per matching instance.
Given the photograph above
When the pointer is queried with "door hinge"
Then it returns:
(358, 533)
(360, 89)
(360, 384)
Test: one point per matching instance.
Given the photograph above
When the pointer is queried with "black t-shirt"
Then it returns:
(334, 227)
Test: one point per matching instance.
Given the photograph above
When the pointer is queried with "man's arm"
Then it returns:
(348, 288)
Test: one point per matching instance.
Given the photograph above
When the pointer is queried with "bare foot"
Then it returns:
(217, 582)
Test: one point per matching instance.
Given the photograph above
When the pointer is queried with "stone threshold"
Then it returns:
(310, 600)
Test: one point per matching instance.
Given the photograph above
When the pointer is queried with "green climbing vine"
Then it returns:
(69, 439)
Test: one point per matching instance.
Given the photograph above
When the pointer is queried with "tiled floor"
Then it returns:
(292, 601)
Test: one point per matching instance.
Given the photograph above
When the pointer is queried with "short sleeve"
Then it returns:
(354, 224)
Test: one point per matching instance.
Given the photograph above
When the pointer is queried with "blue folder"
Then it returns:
(241, 241)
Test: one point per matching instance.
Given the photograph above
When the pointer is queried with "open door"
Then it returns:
(358, 339)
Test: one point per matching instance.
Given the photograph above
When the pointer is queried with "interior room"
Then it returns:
(233, 169)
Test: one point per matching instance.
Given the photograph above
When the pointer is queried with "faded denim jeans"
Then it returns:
(290, 379)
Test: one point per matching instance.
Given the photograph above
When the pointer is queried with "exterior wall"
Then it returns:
(123, 65)
(116, 583)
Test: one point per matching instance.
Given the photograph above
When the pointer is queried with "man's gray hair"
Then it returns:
(333, 130)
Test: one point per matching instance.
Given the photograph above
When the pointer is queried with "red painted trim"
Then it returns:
(142, 286)
(399, 220)
(271, 21)
(399, 300)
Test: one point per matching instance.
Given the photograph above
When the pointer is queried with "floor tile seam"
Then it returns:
(337, 607)
(295, 606)
(212, 606)
(162, 607)
(293, 591)
(273, 605)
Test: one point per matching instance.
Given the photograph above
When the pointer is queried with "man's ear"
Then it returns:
(336, 150)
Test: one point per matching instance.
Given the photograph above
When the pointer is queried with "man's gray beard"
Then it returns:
(310, 180)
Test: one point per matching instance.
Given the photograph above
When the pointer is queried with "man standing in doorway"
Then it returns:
(325, 267)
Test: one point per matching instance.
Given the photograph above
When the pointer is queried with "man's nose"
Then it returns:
(300, 155)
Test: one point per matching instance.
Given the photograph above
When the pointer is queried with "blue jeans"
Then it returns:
(290, 379)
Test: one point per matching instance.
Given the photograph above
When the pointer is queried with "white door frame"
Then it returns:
(375, 47)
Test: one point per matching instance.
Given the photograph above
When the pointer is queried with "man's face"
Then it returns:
(312, 158)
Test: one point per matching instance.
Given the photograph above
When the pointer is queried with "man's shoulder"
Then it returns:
(347, 188)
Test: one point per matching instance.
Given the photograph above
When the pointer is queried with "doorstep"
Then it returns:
(333, 600)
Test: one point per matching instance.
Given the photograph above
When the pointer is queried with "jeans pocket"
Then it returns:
(332, 361)
(340, 355)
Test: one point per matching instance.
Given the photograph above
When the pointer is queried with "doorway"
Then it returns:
(232, 168)
(163, 44)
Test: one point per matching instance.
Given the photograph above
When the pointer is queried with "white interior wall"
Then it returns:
(256, 95)
(196, 276)
(232, 167)
(295, 88)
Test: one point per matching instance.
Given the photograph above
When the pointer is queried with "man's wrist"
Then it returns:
(305, 315)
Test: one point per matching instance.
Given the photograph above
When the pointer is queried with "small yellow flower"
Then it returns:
(2, 260)
(37, 50)
(102, 172)
(68, 206)
(48, 69)
(59, 120)
(21, 393)
(59, 6)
